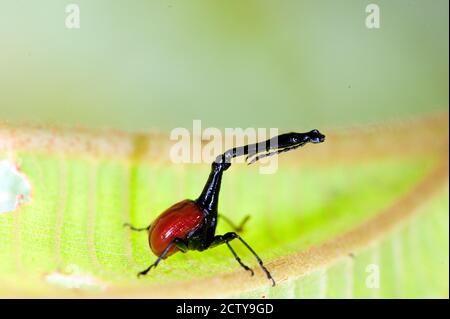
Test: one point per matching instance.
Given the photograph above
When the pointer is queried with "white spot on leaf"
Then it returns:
(15, 189)
(73, 278)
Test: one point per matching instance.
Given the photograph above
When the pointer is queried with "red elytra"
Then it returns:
(175, 222)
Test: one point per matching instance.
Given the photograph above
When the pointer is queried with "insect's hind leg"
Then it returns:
(136, 228)
(179, 243)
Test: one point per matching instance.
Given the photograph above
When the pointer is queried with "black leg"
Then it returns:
(226, 238)
(177, 242)
(239, 259)
(239, 228)
(269, 276)
(135, 228)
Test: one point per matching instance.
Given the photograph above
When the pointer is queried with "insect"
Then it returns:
(191, 224)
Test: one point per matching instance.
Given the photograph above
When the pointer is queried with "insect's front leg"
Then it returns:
(237, 228)
(226, 238)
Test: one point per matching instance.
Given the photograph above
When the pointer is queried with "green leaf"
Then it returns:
(364, 210)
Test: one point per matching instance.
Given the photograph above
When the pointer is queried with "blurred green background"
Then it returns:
(144, 64)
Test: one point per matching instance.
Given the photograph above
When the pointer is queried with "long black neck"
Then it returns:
(209, 198)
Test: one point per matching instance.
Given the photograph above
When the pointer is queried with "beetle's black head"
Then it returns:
(315, 136)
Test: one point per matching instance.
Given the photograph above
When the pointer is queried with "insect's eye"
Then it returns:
(316, 137)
